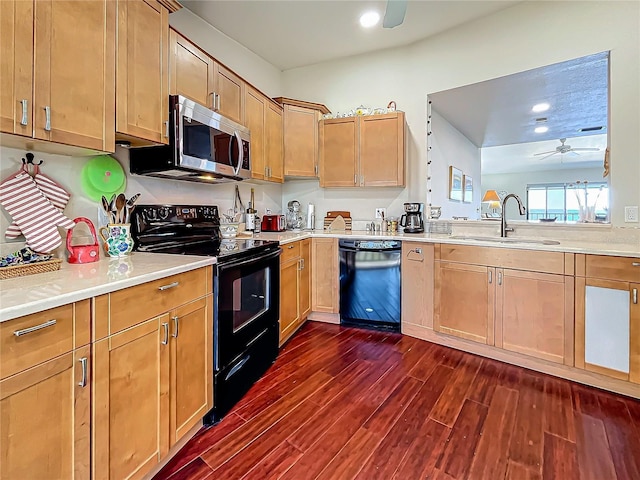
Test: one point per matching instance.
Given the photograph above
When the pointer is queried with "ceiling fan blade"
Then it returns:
(585, 149)
(550, 155)
(544, 153)
(394, 15)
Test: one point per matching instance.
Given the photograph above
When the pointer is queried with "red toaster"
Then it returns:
(273, 223)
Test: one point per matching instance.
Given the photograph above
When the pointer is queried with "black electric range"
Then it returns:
(246, 292)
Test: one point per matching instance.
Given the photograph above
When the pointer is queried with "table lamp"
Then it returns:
(493, 199)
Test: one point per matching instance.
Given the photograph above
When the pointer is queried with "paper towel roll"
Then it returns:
(311, 217)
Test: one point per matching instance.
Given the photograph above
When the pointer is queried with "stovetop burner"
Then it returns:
(188, 230)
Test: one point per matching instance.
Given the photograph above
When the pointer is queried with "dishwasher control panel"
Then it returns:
(371, 244)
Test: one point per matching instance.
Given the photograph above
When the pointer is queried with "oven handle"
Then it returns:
(237, 367)
(246, 261)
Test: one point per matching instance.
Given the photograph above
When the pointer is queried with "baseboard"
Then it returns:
(325, 317)
(563, 371)
(173, 451)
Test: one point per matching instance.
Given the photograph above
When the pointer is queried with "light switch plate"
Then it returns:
(631, 214)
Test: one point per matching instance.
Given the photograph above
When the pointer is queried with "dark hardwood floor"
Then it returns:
(343, 403)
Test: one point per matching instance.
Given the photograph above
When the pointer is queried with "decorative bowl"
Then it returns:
(229, 230)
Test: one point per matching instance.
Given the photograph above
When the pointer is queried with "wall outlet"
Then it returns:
(383, 211)
(631, 214)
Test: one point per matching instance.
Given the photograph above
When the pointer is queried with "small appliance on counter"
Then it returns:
(295, 218)
(273, 223)
(412, 219)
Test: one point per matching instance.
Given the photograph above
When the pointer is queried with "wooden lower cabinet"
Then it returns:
(521, 311)
(295, 288)
(417, 282)
(152, 384)
(325, 296)
(131, 401)
(464, 304)
(45, 413)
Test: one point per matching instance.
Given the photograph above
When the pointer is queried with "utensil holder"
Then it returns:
(117, 239)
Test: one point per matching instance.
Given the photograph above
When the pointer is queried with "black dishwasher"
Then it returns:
(370, 283)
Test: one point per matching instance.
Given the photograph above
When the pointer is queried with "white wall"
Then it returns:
(449, 147)
(238, 58)
(525, 36)
(517, 182)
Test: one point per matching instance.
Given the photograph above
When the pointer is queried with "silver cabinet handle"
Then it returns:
(213, 99)
(24, 120)
(83, 364)
(166, 131)
(635, 264)
(316, 169)
(499, 278)
(167, 287)
(361, 180)
(302, 264)
(165, 327)
(269, 170)
(24, 331)
(355, 179)
(47, 116)
(290, 247)
(635, 296)
(176, 325)
(490, 276)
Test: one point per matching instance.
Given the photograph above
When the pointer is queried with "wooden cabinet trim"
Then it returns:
(301, 103)
(579, 329)
(612, 268)
(634, 335)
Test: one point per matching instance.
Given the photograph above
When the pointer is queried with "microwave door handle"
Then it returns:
(240, 153)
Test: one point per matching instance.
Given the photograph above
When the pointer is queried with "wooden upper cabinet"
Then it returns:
(365, 151)
(45, 426)
(255, 105)
(73, 84)
(382, 150)
(228, 93)
(274, 139)
(142, 71)
(339, 145)
(190, 71)
(16, 67)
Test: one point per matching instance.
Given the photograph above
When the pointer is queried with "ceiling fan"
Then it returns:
(562, 149)
(394, 15)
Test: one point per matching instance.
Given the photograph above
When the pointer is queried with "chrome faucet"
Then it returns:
(503, 227)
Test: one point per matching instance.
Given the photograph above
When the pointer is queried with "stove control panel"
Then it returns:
(178, 213)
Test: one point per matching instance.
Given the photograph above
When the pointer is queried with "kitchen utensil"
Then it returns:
(121, 201)
(83, 253)
(117, 239)
(130, 203)
(342, 213)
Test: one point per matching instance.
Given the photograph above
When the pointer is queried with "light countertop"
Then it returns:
(569, 246)
(34, 293)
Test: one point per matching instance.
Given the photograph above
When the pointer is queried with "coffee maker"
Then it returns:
(411, 220)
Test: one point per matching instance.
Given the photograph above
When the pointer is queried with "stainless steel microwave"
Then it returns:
(203, 146)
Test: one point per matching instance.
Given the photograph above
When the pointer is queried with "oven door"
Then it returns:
(247, 296)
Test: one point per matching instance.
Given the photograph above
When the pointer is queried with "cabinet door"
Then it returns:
(339, 157)
(274, 158)
(324, 285)
(190, 71)
(300, 141)
(191, 366)
(230, 90)
(131, 401)
(289, 307)
(74, 89)
(255, 115)
(607, 329)
(305, 278)
(382, 150)
(534, 314)
(16, 67)
(417, 277)
(142, 73)
(465, 296)
(45, 420)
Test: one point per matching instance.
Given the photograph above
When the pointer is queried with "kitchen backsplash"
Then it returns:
(66, 171)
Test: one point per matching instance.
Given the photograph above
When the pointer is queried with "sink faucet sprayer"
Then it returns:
(503, 227)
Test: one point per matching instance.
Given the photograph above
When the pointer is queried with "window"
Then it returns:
(566, 202)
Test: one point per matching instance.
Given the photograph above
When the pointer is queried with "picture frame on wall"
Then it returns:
(467, 189)
(455, 184)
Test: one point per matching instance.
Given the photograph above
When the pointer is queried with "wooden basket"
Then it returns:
(30, 269)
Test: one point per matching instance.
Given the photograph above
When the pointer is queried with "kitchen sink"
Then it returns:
(524, 241)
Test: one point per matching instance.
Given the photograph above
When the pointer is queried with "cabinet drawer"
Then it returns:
(133, 305)
(613, 268)
(33, 339)
(290, 251)
(531, 260)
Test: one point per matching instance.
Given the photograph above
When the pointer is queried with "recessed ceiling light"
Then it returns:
(540, 107)
(369, 19)
(541, 129)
